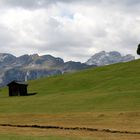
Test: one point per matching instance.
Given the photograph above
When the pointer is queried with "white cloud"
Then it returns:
(71, 30)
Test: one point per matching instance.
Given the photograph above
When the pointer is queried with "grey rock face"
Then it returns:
(20, 75)
(28, 67)
(75, 66)
(128, 58)
(105, 58)
(6, 60)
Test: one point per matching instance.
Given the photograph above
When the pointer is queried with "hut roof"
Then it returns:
(17, 82)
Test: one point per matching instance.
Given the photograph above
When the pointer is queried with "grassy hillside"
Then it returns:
(108, 88)
(104, 97)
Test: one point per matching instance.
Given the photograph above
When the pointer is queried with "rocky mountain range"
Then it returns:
(29, 67)
(106, 58)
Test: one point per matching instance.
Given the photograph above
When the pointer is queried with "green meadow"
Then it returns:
(103, 97)
(14, 137)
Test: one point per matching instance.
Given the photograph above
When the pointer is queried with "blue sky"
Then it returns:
(71, 29)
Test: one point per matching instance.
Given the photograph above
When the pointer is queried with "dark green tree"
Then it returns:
(138, 50)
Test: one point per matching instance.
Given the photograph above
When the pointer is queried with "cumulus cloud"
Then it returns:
(71, 29)
(44, 3)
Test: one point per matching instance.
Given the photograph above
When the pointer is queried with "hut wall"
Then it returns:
(23, 90)
(13, 90)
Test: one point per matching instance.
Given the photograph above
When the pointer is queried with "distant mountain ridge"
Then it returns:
(106, 58)
(34, 66)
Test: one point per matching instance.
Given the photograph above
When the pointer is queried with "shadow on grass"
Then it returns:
(31, 94)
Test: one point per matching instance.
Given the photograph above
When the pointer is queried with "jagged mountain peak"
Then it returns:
(35, 66)
(106, 58)
(5, 56)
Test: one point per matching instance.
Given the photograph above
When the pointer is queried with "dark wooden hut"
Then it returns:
(17, 88)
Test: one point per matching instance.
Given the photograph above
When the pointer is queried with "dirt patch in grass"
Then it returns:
(67, 133)
(124, 121)
(70, 128)
(127, 121)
